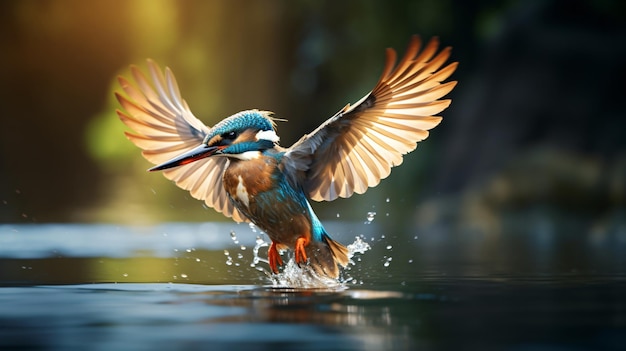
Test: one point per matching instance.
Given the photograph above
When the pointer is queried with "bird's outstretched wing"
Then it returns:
(164, 128)
(357, 147)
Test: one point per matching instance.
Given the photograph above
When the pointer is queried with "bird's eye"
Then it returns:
(229, 135)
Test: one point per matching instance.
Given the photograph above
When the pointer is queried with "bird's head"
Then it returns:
(241, 136)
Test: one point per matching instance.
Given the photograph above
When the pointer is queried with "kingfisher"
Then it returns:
(239, 168)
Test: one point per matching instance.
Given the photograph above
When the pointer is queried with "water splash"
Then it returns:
(259, 243)
(303, 277)
(292, 275)
(358, 246)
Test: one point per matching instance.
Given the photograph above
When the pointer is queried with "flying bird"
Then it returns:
(238, 167)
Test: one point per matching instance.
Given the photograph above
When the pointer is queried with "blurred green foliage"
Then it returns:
(64, 157)
(295, 58)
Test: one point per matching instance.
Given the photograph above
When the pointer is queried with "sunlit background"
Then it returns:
(536, 134)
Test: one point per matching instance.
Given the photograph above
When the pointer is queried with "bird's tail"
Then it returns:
(325, 254)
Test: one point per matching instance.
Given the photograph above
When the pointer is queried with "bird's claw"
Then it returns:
(300, 253)
(274, 258)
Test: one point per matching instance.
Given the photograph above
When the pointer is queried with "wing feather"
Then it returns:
(164, 127)
(357, 147)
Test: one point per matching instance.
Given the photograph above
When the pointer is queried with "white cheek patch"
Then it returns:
(267, 135)
(247, 156)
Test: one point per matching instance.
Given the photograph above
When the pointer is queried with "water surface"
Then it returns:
(173, 287)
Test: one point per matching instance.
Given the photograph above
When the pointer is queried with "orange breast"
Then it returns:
(253, 175)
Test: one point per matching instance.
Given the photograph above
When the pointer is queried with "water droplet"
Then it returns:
(188, 250)
(233, 236)
(411, 261)
(338, 215)
(197, 260)
(370, 216)
(389, 247)
(183, 275)
(242, 247)
(125, 275)
(387, 200)
(226, 253)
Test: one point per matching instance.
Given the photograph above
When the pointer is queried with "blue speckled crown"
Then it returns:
(244, 120)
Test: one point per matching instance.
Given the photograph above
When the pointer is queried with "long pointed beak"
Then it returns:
(190, 156)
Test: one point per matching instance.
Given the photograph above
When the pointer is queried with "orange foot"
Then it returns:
(274, 258)
(300, 254)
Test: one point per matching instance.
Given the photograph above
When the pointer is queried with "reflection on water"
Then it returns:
(438, 313)
(172, 287)
(173, 316)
